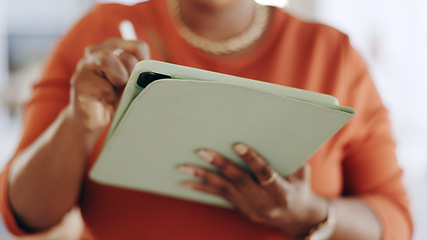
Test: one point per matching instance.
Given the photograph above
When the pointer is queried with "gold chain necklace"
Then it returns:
(233, 44)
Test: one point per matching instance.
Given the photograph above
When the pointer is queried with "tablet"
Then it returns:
(168, 112)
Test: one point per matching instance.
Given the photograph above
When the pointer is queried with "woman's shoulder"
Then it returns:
(309, 30)
(112, 11)
(115, 7)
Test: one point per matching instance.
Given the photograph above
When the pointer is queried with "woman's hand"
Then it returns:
(287, 204)
(51, 170)
(99, 80)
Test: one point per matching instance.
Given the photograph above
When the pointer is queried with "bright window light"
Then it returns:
(277, 3)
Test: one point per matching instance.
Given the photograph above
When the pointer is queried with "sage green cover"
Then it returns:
(158, 128)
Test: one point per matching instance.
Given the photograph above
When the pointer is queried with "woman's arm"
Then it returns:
(45, 178)
(355, 220)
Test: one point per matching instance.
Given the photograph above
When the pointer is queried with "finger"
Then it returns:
(128, 60)
(129, 52)
(302, 174)
(138, 48)
(87, 82)
(203, 187)
(256, 163)
(234, 173)
(108, 65)
(305, 174)
(89, 50)
(213, 183)
(204, 174)
(265, 174)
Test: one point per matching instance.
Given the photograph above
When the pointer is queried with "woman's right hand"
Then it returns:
(50, 171)
(99, 80)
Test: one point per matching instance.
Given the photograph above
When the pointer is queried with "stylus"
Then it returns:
(127, 31)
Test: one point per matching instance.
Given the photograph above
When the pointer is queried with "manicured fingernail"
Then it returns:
(187, 185)
(187, 170)
(205, 155)
(241, 149)
(274, 213)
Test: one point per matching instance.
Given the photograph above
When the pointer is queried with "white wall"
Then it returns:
(3, 44)
(392, 37)
(305, 9)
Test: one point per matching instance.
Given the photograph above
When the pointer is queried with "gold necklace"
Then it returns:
(230, 45)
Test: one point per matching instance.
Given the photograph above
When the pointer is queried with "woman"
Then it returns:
(353, 190)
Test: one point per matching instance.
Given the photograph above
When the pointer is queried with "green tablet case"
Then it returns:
(160, 126)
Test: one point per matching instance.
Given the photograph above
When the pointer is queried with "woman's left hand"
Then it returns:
(287, 204)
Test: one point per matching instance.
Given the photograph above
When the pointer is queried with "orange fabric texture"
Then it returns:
(358, 161)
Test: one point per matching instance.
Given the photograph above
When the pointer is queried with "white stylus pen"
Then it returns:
(127, 31)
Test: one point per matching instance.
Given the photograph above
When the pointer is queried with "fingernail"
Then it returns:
(275, 212)
(241, 149)
(205, 155)
(187, 170)
(187, 185)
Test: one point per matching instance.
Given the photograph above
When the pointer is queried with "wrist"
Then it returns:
(78, 121)
(77, 128)
(313, 213)
(318, 212)
(325, 229)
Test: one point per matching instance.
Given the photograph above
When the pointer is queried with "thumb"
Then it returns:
(302, 174)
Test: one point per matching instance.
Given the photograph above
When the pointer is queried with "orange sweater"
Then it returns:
(358, 161)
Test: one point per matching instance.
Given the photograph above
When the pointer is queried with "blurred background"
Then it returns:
(391, 35)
